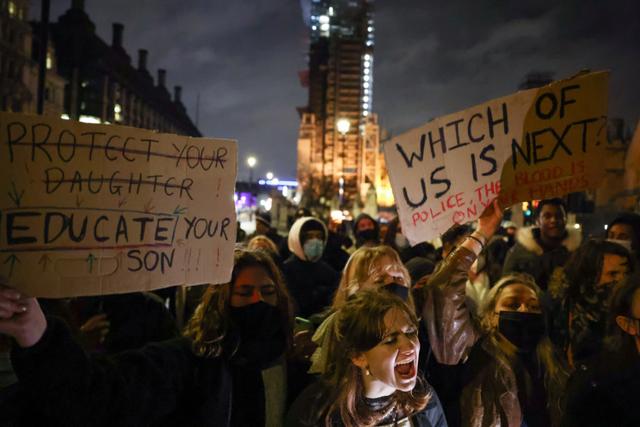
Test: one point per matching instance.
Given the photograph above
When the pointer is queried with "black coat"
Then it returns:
(311, 284)
(603, 391)
(529, 255)
(163, 384)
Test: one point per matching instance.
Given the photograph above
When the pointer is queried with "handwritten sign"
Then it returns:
(100, 209)
(535, 144)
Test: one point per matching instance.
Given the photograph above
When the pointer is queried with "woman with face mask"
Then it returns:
(228, 369)
(372, 377)
(603, 390)
(512, 376)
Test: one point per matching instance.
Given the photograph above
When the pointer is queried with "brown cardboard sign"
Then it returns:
(534, 144)
(97, 209)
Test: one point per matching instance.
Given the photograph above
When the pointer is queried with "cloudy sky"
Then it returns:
(431, 58)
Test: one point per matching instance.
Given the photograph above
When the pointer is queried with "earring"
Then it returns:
(367, 372)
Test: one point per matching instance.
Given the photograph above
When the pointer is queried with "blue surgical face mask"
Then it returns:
(313, 249)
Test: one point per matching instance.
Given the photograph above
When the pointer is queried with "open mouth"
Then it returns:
(406, 370)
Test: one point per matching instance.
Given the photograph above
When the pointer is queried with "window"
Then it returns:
(49, 61)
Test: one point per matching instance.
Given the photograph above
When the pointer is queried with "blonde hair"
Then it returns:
(261, 242)
(556, 375)
(358, 270)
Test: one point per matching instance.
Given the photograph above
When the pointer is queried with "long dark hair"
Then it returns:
(617, 340)
(358, 327)
(555, 373)
(209, 327)
(585, 266)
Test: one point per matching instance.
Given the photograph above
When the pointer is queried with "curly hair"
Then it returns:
(210, 325)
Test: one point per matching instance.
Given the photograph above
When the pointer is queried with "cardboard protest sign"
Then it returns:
(534, 144)
(99, 209)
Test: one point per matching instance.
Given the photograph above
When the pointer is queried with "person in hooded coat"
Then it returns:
(311, 281)
(366, 230)
(541, 249)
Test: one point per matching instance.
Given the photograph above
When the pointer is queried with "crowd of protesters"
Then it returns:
(499, 326)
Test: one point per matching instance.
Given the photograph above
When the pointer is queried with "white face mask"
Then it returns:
(624, 243)
(401, 241)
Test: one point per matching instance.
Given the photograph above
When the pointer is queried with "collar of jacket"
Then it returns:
(526, 237)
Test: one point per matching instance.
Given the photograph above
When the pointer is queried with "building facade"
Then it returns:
(102, 84)
(19, 47)
(339, 136)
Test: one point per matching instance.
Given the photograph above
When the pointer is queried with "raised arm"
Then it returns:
(132, 388)
(451, 330)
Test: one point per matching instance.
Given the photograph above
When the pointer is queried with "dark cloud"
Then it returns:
(432, 58)
(448, 56)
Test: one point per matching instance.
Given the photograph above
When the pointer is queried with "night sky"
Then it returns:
(431, 58)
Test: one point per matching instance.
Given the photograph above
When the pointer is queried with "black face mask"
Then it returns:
(524, 330)
(398, 290)
(260, 336)
(366, 236)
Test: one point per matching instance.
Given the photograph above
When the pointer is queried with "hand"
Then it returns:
(490, 220)
(20, 317)
(303, 346)
(95, 330)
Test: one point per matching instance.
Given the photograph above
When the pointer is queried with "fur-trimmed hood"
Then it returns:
(525, 236)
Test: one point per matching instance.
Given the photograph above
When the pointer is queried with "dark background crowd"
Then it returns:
(531, 326)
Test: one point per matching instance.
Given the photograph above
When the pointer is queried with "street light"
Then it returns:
(269, 176)
(343, 126)
(251, 162)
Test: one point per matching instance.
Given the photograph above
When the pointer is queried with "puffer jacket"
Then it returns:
(489, 390)
(529, 256)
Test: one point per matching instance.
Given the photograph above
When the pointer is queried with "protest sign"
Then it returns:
(100, 209)
(534, 144)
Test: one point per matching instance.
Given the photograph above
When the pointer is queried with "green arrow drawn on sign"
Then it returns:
(14, 195)
(179, 211)
(11, 259)
(44, 261)
(90, 260)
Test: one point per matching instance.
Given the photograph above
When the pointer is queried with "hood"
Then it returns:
(355, 227)
(361, 217)
(295, 245)
(526, 238)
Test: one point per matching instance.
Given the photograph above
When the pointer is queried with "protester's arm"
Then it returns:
(70, 387)
(451, 329)
(141, 385)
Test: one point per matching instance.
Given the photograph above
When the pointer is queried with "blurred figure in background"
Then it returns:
(264, 228)
(366, 230)
(310, 280)
(263, 243)
(578, 297)
(603, 391)
(395, 239)
(542, 248)
(625, 230)
(335, 253)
